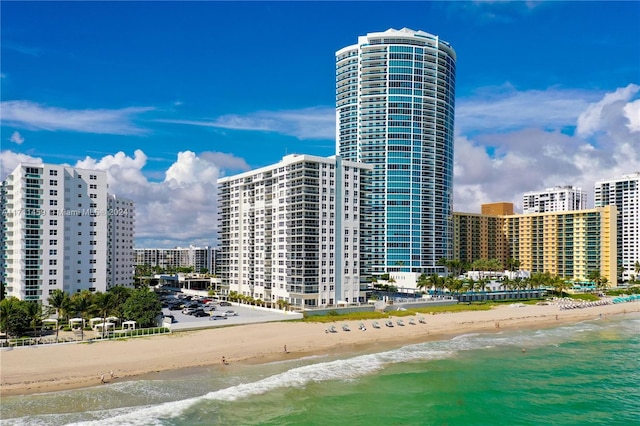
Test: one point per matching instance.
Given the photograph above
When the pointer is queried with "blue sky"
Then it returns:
(169, 96)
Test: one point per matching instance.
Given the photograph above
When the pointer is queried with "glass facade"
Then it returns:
(395, 100)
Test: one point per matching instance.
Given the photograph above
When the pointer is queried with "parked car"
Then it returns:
(188, 311)
(174, 307)
(217, 316)
(231, 313)
(200, 313)
(171, 317)
(225, 304)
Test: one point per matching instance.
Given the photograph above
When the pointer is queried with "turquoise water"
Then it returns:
(582, 374)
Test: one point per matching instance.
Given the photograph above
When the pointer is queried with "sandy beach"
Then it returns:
(47, 368)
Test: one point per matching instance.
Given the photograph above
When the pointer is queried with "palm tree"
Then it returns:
(595, 277)
(423, 282)
(58, 301)
(120, 296)
(35, 314)
(513, 264)
(444, 262)
(104, 303)
(82, 304)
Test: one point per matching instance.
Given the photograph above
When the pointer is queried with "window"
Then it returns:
(53, 222)
(53, 173)
(53, 242)
(53, 192)
(53, 232)
(53, 252)
(53, 262)
(53, 182)
(53, 271)
(53, 202)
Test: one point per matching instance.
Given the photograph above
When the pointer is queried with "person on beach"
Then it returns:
(111, 373)
(102, 378)
(224, 361)
(285, 349)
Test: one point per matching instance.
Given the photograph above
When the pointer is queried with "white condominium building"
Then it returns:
(199, 258)
(121, 257)
(55, 231)
(624, 193)
(556, 199)
(296, 231)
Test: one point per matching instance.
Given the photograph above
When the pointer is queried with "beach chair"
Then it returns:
(412, 321)
(400, 323)
(422, 320)
(346, 328)
(389, 323)
(375, 324)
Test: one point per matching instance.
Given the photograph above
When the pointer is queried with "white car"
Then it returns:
(231, 313)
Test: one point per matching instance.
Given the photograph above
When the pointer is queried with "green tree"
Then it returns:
(443, 261)
(423, 282)
(595, 277)
(13, 318)
(58, 302)
(82, 304)
(120, 295)
(34, 312)
(283, 304)
(104, 304)
(143, 306)
(513, 264)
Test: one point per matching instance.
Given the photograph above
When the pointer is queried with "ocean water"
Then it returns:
(581, 374)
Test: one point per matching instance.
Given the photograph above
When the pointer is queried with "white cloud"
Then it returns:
(16, 138)
(9, 160)
(591, 120)
(30, 115)
(226, 161)
(505, 108)
(502, 166)
(180, 210)
(632, 113)
(307, 123)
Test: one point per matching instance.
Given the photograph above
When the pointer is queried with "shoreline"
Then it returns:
(50, 368)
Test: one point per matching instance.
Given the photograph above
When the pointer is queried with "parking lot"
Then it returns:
(247, 314)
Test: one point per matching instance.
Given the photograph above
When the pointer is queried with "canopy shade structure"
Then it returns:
(50, 321)
(104, 325)
(128, 325)
(94, 321)
(73, 321)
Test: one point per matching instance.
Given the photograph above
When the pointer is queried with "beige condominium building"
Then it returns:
(569, 244)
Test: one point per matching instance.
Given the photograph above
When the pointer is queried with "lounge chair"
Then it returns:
(346, 327)
(400, 322)
(375, 324)
(389, 323)
(412, 321)
(422, 320)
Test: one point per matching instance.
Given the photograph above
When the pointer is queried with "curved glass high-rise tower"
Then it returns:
(395, 98)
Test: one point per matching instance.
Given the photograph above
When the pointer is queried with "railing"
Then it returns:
(51, 340)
